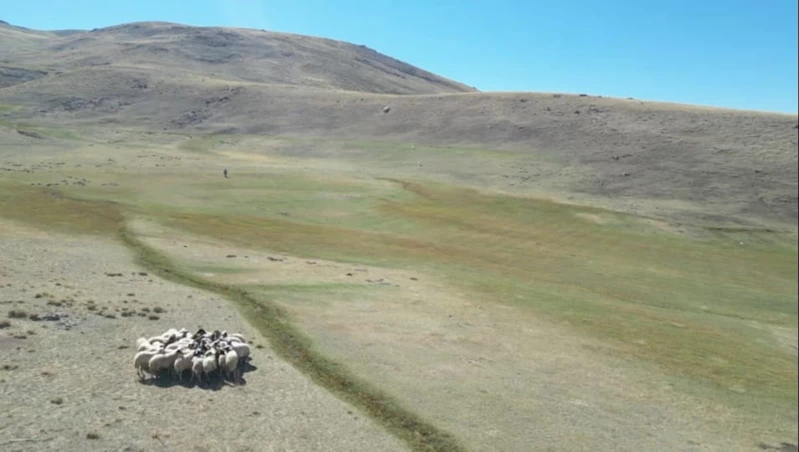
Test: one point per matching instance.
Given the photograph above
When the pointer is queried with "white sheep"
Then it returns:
(142, 361)
(242, 350)
(231, 364)
(168, 337)
(152, 348)
(162, 361)
(182, 364)
(209, 362)
(196, 369)
(203, 353)
(143, 344)
(181, 343)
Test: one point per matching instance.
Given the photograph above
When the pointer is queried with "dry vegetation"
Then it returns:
(461, 271)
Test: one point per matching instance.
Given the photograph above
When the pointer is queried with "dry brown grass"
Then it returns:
(220, 54)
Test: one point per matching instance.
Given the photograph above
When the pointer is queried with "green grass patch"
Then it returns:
(46, 131)
(203, 144)
(680, 303)
(54, 132)
(313, 292)
(51, 209)
(218, 269)
(297, 198)
(686, 303)
(7, 108)
(387, 150)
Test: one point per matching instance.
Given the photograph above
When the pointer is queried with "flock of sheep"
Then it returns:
(176, 352)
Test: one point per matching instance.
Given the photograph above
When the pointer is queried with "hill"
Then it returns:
(698, 163)
(227, 53)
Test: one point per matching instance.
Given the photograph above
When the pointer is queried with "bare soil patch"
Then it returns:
(72, 386)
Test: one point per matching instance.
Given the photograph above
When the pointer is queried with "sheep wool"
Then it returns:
(213, 355)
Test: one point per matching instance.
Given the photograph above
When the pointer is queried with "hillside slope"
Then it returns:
(224, 53)
(724, 164)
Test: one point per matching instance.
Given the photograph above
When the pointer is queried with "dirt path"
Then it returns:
(69, 384)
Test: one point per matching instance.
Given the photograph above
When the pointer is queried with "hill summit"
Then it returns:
(232, 53)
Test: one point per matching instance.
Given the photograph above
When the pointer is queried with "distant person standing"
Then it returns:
(225, 173)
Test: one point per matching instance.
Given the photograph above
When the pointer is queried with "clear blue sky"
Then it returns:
(733, 53)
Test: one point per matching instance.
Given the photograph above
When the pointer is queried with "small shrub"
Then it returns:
(92, 435)
(91, 307)
(57, 401)
(4, 324)
(35, 317)
(159, 310)
(153, 317)
(145, 309)
(14, 314)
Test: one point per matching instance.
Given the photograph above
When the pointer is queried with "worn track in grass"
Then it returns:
(291, 345)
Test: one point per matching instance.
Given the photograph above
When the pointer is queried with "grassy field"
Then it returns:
(708, 307)
(691, 299)
(490, 271)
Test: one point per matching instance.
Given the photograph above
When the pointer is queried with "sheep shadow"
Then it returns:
(214, 382)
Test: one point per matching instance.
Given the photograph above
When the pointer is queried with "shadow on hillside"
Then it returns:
(214, 382)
